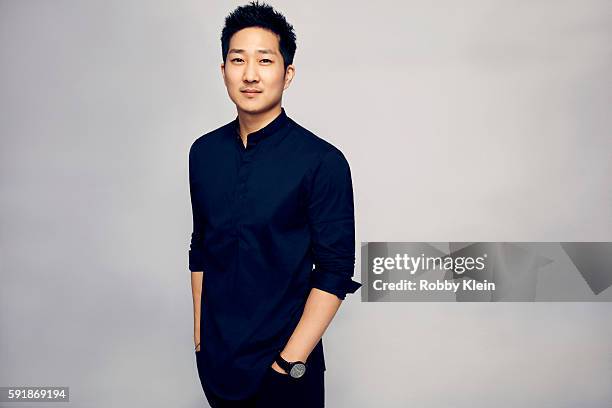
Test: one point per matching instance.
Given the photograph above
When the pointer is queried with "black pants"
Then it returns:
(280, 390)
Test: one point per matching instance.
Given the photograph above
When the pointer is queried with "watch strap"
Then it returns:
(286, 365)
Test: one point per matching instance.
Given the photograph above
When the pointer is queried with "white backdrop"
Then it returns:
(462, 121)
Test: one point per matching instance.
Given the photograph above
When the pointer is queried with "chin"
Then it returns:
(252, 108)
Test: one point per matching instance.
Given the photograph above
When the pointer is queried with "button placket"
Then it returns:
(247, 156)
(243, 174)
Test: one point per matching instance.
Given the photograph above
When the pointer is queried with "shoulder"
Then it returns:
(210, 140)
(319, 149)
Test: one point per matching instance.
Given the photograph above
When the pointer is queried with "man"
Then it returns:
(270, 200)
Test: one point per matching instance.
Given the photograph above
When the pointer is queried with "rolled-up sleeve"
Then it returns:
(331, 218)
(197, 235)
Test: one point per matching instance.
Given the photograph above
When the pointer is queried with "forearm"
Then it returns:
(319, 311)
(196, 292)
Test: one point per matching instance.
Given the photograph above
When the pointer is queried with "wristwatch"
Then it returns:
(295, 369)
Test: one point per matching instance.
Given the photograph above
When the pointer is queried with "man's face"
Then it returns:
(254, 72)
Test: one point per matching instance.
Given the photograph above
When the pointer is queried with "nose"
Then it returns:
(250, 72)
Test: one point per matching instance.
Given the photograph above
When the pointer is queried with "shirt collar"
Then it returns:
(269, 129)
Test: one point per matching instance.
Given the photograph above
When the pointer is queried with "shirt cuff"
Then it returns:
(196, 261)
(339, 285)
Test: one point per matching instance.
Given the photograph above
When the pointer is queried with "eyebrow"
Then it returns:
(260, 51)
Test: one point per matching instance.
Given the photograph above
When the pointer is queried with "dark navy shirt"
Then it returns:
(263, 216)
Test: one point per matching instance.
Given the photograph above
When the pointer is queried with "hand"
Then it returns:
(278, 369)
(196, 340)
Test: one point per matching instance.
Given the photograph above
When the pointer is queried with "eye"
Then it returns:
(236, 59)
(266, 60)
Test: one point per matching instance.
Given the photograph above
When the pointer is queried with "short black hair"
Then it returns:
(262, 15)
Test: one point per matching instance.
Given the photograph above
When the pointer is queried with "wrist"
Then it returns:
(292, 356)
(295, 368)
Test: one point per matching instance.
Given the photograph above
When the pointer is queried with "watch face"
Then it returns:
(297, 370)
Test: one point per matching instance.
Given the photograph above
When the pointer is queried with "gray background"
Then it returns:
(462, 121)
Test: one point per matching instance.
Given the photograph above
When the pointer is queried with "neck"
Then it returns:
(252, 122)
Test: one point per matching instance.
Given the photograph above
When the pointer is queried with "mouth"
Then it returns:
(251, 91)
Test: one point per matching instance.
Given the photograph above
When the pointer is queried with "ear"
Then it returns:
(223, 70)
(289, 74)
